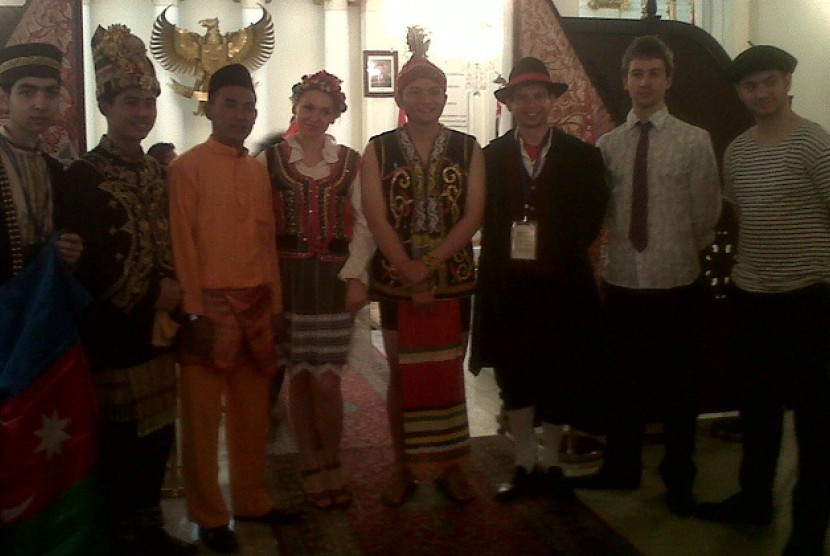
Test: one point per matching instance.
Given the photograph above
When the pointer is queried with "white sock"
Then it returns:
(552, 435)
(521, 427)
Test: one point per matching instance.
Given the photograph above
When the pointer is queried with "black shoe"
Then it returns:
(271, 517)
(555, 486)
(681, 502)
(522, 485)
(799, 546)
(738, 509)
(605, 480)
(219, 539)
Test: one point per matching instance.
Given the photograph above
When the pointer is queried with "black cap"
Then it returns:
(232, 75)
(529, 70)
(760, 58)
(34, 59)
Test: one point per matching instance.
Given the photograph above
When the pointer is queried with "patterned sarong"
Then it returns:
(243, 329)
(432, 383)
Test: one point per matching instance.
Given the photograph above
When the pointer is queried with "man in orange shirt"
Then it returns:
(222, 225)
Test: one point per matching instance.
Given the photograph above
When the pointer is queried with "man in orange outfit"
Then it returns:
(222, 226)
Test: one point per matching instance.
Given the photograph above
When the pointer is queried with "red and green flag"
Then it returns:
(50, 500)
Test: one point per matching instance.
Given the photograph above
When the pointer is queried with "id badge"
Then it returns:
(523, 241)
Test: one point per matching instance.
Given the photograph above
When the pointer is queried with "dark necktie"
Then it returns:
(638, 227)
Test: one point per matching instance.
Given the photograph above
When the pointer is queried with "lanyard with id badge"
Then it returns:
(524, 232)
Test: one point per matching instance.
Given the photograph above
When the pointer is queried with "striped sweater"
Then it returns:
(783, 193)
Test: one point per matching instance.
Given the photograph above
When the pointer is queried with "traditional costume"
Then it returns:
(117, 203)
(223, 233)
(424, 200)
(317, 211)
(27, 175)
(537, 313)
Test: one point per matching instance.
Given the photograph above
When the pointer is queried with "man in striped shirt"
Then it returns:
(777, 176)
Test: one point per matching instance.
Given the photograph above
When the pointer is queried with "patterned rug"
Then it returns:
(428, 523)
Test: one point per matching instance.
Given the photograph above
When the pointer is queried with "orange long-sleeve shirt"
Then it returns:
(222, 223)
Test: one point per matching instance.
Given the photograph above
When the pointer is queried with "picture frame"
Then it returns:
(380, 69)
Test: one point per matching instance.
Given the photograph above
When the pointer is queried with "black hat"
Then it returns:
(232, 75)
(529, 70)
(34, 59)
(760, 58)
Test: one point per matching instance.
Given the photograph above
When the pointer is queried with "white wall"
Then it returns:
(801, 28)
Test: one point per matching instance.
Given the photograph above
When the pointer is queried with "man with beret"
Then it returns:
(665, 203)
(115, 198)
(537, 305)
(777, 177)
(222, 222)
(423, 196)
(31, 82)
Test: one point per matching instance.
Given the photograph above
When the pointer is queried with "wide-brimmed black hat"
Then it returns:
(762, 57)
(231, 75)
(529, 70)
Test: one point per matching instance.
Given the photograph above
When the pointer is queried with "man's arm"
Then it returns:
(705, 190)
(183, 213)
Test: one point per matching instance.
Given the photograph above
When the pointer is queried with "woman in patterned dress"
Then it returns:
(324, 246)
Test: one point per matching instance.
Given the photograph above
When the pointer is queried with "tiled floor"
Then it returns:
(640, 516)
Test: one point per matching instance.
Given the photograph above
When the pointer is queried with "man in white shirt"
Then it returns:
(665, 203)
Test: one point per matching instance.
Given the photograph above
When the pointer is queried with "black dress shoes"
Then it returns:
(738, 509)
(523, 484)
(555, 486)
(606, 480)
(681, 502)
(219, 539)
(271, 517)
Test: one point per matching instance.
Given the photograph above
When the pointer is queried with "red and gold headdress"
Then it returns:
(121, 62)
(324, 82)
(418, 67)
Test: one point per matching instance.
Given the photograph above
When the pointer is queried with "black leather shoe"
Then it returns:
(738, 508)
(522, 485)
(681, 502)
(555, 486)
(219, 539)
(271, 517)
(605, 480)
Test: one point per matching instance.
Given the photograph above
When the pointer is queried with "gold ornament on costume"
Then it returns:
(121, 62)
(181, 51)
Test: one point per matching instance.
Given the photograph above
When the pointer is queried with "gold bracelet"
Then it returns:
(433, 262)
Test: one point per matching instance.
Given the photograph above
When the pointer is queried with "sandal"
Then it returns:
(340, 495)
(319, 499)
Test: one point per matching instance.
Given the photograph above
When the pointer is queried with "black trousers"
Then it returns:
(782, 350)
(654, 342)
(133, 468)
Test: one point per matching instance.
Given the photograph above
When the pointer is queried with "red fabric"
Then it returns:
(35, 467)
(430, 384)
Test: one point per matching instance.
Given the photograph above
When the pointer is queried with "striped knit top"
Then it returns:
(783, 193)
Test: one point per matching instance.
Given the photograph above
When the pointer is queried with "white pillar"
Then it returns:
(92, 121)
(251, 13)
(337, 61)
(168, 126)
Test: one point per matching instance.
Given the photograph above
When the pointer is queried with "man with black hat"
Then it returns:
(777, 177)
(665, 203)
(115, 198)
(30, 79)
(222, 222)
(537, 305)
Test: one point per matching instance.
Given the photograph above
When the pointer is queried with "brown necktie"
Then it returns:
(638, 227)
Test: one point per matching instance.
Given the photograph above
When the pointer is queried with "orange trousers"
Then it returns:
(245, 393)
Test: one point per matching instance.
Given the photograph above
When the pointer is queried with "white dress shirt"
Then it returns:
(683, 202)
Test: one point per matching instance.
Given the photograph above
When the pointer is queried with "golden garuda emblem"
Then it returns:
(181, 51)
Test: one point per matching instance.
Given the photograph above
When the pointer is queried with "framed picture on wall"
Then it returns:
(380, 68)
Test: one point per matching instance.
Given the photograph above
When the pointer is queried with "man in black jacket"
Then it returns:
(537, 304)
